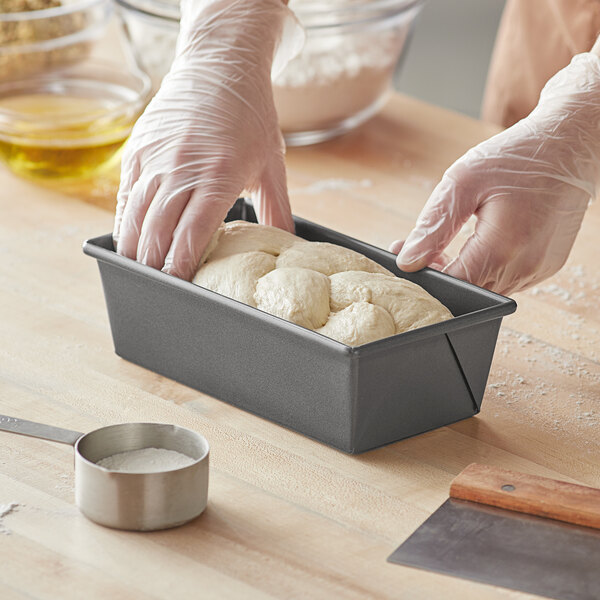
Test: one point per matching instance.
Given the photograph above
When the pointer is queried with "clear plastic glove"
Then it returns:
(210, 131)
(528, 187)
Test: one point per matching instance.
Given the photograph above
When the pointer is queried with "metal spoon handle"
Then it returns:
(38, 430)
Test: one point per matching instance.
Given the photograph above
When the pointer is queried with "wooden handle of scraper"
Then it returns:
(529, 494)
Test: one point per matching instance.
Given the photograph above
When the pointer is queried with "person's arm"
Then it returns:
(210, 131)
(528, 186)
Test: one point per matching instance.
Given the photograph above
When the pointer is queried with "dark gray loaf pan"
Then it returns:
(352, 398)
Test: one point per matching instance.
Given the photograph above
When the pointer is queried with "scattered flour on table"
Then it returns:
(146, 460)
(580, 288)
(531, 390)
(333, 184)
(555, 290)
(65, 482)
(5, 510)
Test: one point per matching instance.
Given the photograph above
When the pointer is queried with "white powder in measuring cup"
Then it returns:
(146, 460)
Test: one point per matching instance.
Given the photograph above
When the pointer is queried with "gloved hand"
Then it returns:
(528, 187)
(210, 131)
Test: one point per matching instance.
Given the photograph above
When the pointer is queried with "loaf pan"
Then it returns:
(351, 398)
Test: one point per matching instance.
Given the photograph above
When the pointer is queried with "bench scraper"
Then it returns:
(513, 530)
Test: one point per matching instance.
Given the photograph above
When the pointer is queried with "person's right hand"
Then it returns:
(210, 131)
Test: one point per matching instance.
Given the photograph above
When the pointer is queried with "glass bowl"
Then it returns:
(68, 123)
(338, 81)
(34, 41)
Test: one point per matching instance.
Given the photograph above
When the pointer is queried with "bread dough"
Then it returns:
(359, 323)
(236, 275)
(327, 259)
(335, 291)
(239, 236)
(298, 295)
(408, 304)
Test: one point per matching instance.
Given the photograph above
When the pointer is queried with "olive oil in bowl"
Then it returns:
(68, 127)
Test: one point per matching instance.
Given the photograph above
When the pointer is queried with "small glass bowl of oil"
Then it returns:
(69, 123)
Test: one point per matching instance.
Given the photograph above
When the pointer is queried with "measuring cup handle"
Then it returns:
(38, 430)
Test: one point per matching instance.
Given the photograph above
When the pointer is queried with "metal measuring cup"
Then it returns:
(133, 501)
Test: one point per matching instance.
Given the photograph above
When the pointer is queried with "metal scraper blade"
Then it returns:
(508, 549)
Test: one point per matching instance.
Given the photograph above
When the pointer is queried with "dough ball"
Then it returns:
(327, 259)
(359, 323)
(237, 237)
(235, 276)
(409, 304)
(298, 295)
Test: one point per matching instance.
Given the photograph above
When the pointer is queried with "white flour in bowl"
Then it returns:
(146, 460)
(343, 72)
(335, 78)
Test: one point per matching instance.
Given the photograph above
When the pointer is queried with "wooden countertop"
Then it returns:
(287, 517)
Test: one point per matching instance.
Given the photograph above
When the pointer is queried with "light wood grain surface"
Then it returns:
(287, 517)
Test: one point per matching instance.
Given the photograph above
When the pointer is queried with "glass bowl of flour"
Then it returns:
(345, 70)
(338, 81)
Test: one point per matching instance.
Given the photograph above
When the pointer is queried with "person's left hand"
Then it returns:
(528, 187)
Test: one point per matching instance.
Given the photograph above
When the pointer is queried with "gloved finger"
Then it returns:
(438, 262)
(446, 211)
(130, 172)
(201, 217)
(494, 257)
(271, 201)
(160, 222)
(396, 246)
(480, 264)
(138, 201)
(492, 274)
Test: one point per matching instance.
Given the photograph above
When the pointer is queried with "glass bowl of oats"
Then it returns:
(39, 35)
